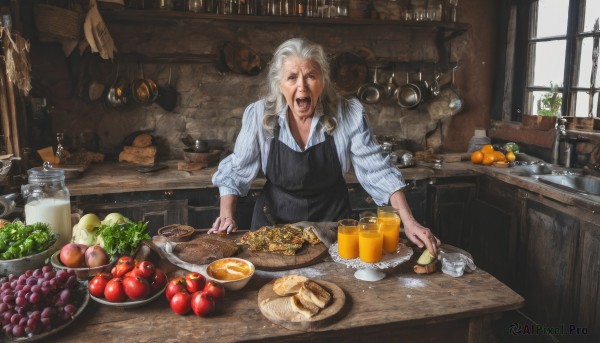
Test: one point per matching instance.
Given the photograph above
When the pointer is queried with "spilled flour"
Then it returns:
(410, 282)
(309, 272)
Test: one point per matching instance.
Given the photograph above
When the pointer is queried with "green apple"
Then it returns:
(89, 222)
(114, 218)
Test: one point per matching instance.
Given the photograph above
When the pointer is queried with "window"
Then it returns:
(553, 58)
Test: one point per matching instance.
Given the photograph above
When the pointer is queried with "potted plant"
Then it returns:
(548, 108)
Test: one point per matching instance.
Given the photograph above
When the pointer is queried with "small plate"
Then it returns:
(129, 303)
(33, 338)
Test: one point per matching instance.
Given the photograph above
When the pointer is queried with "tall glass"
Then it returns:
(388, 221)
(348, 238)
(370, 240)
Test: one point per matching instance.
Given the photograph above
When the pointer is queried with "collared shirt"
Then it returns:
(355, 144)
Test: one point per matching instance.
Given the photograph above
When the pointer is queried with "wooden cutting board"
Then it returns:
(295, 321)
(308, 255)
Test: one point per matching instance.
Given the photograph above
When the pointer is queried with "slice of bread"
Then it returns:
(305, 308)
(288, 284)
(313, 292)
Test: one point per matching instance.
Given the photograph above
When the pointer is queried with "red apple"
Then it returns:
(215, 290)
(202, 304)
(136, 288)
(95, 256)
(194, 282)
(174, 286)
(180, 303)
(145, 269)
(158, 281)
(72, 255)
(114, 291)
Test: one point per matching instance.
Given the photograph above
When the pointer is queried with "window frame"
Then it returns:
(520, 22)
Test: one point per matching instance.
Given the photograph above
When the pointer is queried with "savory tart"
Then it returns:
(286, 239)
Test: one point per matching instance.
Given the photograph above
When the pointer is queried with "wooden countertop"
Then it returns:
(434, 307)
(119, 177)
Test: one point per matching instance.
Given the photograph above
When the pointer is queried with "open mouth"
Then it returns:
(303, 104)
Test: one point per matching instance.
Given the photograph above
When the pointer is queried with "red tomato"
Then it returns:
(158, 281)
(120, 269)
(126, 259)
(194, 282)
(114, 291)
(202, 304)
(174, 286)
(134, 272)
(136, 288)
(180, 303)
(98, 284)
(145, 269)
(215, 290)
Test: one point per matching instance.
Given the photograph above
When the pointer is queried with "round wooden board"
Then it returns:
(308, 255)
(295, 321)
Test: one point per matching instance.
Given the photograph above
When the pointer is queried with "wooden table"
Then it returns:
(404, 306)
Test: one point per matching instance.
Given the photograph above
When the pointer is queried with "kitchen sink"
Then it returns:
(574, 183)
(532, 169)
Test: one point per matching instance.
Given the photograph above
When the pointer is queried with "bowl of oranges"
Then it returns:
(496, 155)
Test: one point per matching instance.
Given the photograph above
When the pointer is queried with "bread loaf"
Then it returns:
(142, 141)
(288, 284)
(148, 151)
(305, 308)
(313, 292)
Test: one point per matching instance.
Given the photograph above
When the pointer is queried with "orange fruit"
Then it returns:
(510, 156)
(477, 157)
(499, 156)
(488, 159)
(487, 149)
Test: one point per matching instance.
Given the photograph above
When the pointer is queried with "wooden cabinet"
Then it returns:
(450, 212)
(494, 228)
(588, 268)
(415, 192)
(547, 255)
(157, 212)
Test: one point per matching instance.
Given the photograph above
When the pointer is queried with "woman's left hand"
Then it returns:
(422, 236)
(223, 224)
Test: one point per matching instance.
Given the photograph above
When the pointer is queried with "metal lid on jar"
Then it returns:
(46, 173)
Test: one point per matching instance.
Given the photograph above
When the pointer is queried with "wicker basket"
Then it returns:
(56, 23)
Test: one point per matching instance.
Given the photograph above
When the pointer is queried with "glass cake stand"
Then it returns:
(373, 271)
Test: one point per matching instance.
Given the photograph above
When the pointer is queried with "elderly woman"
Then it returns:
(304, 138)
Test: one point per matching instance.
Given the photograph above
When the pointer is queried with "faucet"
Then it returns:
(559, 137)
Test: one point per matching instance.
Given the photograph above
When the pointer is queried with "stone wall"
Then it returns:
(211, 102)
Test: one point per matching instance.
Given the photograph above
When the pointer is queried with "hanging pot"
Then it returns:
(447, 103)
(167, 96)
(412, 94)
(118, 94)
(370, 93)
(144, 90)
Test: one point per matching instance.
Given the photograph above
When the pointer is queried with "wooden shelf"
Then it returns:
(158, 16)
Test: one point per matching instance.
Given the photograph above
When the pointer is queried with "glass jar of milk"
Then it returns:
(48, 201)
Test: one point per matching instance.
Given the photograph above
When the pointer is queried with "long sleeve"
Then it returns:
(237, 171)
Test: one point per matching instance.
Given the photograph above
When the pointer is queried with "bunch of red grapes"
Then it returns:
(38, 301)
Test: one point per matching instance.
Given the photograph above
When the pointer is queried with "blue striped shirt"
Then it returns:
(356, 147)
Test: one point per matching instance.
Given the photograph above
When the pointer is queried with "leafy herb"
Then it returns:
(122, 239)
(19, 240)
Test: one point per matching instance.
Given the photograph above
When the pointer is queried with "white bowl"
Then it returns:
(82, 273)
(19, 265)
(230, 283)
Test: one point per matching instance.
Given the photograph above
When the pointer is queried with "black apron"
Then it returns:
(307, 185)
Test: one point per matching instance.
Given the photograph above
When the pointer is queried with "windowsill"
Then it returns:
(516, 132)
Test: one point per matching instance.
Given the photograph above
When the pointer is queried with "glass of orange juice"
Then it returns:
(348, 238)
(388, 222)
(370, 240)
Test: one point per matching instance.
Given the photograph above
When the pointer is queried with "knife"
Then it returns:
(594, 69)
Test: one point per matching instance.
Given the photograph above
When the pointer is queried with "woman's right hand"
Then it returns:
(223, 225)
